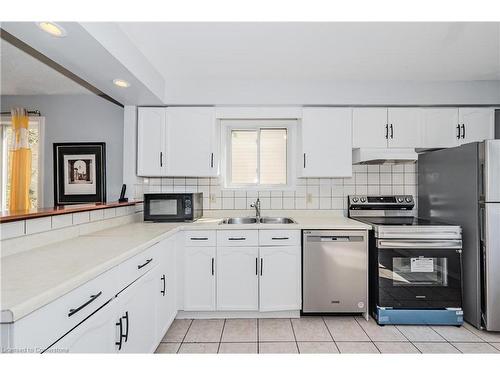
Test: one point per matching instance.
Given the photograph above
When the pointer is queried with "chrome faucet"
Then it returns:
(256, 205)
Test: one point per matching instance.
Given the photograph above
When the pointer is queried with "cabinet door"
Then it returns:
(199, 278)
(369, 127)
(94, 335)
(237, 278)
(137, 315)
(404, 127)
(326, 142)
(166, 293)
(191, 142)
(151, 142)
(280, 278)
(440, 127)
(477, 124)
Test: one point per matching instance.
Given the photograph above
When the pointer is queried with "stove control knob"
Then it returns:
(355, 199)
(362, 199)
(400, 200)
(408, 199)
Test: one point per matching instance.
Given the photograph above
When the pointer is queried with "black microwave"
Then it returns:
(173, 207)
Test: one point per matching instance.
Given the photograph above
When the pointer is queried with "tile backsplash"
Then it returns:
(309, 193)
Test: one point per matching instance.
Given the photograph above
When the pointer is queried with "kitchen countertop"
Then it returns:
(34, 278)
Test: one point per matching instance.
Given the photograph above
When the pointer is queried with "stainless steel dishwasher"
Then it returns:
(335, 272)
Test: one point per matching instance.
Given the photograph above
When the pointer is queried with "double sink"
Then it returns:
(255, 220)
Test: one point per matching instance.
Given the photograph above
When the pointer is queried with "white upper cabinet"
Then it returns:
(404, 130)
(326, 135)
(476, 124)
(440, 127)
(369, 127)
(151, 142)
(192, 142)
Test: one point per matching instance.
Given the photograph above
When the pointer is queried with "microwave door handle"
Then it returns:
(451, 244)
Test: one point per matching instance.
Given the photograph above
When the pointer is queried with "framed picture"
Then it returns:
(79, 173)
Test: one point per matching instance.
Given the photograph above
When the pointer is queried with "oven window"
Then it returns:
(163, 207)
(419, 271)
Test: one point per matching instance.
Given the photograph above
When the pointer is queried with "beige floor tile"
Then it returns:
(475, 347)
(345, 328)
(278, 347)
(199, 348)
(240, 330)
(317, 347)
(310, 329)
(275, 330)
(177, 330)
(205, 330)
(396, 347)
(238, 348)
(420, 333)
(168, 347)
(357, 347)
(380, 333)
(485, 335)
(436, 348)
(456, 334)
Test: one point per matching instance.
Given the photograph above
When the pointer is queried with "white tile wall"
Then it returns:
(309, 193)
(62, 221)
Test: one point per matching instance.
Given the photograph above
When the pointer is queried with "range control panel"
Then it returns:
(377, 202)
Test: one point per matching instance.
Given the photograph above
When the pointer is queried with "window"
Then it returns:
(257, 153)
(36, 145)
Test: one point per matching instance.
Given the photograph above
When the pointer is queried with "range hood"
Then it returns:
(383, 155)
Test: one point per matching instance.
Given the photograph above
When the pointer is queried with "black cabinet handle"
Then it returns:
(145, 263)
(128, 323)
(119, 343)
(256, 266)
(212, 160)
(164, 285)
(458, 131)
(280, 238)
(392, 131)
(463, 131)
(92, 299)
(261, 265)
(161, 159)
(236, 238)
(213, 265)
(304, 159)
(386, 131)
(199, 238)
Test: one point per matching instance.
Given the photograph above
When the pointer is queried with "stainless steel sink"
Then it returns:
(253, 220)
(276, 220)
(239, 220)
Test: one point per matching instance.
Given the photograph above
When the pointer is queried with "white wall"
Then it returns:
(77, 118)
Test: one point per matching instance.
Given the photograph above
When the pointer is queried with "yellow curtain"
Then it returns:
(20, 176)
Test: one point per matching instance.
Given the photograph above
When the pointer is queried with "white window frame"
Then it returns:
(4, 149)
(227, 126)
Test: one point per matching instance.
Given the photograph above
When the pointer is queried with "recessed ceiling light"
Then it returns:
(121, 82)
(52, 28)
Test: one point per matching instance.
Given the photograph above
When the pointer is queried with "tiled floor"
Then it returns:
(321, 335)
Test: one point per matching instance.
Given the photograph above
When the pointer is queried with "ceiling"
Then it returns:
(320, 51)
(22, 74)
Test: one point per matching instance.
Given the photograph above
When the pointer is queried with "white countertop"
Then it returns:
(34, 278)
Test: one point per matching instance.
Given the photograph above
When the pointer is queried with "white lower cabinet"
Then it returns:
(199, 278)
(237, 278)
(136, 316)
(280, 278)
(97, 334)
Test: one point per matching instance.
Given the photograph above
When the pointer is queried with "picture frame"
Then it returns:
(79, 173)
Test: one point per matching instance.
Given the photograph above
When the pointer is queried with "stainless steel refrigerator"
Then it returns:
(461, 185)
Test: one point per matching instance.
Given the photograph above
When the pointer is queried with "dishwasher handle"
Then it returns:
(333, 238)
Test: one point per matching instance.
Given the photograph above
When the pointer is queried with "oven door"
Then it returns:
(417, 274)
(164, 207)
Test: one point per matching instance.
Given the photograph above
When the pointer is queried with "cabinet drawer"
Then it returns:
(237, 238)
(135, 267)
(200, 238)
(279, 237)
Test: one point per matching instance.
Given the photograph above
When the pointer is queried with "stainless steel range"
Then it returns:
(415, 265)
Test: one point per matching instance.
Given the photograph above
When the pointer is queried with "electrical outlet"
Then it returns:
(213, 199)
(309, 197)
